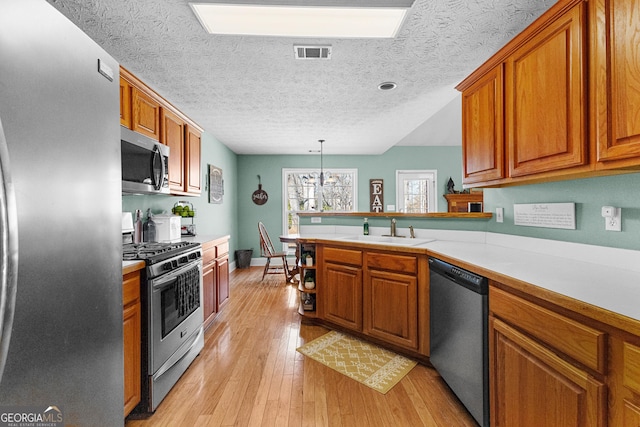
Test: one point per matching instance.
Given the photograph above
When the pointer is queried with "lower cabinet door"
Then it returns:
(222, 281)
(390, 307)
(342, 300)
(209, 296)
(132, 318)
(533, 387)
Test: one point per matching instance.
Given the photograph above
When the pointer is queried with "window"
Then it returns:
(303, 193)
(416, 191)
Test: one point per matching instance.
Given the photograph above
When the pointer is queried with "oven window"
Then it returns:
(180, 299)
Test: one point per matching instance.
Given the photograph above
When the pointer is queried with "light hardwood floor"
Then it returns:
(249, 374)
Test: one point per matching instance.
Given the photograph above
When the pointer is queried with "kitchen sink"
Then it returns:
(386, 240)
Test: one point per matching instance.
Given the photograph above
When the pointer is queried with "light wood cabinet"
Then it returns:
(379, 294)
(193, 157)
(483, 152)
(615, 86)
(131, 332)
(222, 274)
(571, 98)
(534, 387)
(125, 103)
(545, 98)
(215, 278)
(173, 136)
(341, 287)
(144, 111)
(460, 202)
(546, 369)
(185, 156)
(210, 294)
(624, 380)
(390, 298)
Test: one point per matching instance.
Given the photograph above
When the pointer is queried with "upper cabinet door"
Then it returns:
(146, 114)
(483, 129)
(173, 133)
(545, 94)
(193, 157)
(125, 103)
(616, 80)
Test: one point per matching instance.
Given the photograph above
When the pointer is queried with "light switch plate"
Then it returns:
(499, 214)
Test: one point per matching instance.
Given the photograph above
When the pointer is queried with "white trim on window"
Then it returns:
(431, 184)
(314, 201)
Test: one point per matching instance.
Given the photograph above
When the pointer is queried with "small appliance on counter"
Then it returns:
(167, 227)
(184, 210)
(127, 228)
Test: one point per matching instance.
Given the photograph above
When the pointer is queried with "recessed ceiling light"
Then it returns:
(305, 19)
(387, 86)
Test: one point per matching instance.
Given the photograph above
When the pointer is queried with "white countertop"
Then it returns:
(608, 278)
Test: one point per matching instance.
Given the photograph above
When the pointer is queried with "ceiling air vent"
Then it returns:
(312, 52)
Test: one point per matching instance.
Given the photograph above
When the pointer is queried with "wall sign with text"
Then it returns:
(376, 195)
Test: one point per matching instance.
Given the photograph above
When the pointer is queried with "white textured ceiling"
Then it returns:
(256, 98)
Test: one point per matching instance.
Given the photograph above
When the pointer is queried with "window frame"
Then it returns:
(285, 196)
(432, 199)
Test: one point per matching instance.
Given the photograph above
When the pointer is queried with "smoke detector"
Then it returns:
(312, 52)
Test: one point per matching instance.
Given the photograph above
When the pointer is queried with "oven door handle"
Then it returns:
(178, 355)
(165, 281)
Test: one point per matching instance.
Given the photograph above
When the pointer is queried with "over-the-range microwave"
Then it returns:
(145, 164)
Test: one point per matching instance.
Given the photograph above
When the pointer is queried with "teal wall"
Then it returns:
(446, 160)
(211, 219)
(589, 195)
(238, 215)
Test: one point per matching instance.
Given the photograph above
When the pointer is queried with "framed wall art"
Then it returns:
(216, 185)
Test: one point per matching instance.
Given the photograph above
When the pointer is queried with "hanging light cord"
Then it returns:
(321, 166)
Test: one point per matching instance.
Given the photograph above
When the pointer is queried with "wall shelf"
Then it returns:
(434, 215)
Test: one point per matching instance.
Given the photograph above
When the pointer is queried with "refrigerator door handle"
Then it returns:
(9, 251)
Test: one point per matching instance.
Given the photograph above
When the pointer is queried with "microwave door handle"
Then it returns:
(9, 246)
(157, 156)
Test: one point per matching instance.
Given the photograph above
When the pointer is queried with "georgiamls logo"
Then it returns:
(31, 416)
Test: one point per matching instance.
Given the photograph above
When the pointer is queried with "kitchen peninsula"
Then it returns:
(565, 311)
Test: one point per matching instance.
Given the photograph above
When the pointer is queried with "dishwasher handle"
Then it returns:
(469, 280)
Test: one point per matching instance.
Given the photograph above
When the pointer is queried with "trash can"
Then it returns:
(243, 258)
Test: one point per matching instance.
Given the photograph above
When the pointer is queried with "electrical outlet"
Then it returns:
(612, 218)
(316, 220)
(499, 214)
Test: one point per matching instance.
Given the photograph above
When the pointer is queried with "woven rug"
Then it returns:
(366, 363)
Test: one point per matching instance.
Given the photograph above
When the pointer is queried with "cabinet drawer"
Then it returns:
(222, 249)
(400, 263)
(631, 372)
(343, 256)
(208, 254)
(130, 288)
(580, 342)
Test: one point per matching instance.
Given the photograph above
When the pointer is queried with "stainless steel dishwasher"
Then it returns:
(459, 332)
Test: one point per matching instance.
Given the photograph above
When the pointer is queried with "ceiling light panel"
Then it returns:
(300, 21)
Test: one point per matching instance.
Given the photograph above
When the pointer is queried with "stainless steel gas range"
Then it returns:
(172, 325)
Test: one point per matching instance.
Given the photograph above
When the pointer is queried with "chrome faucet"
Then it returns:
(412, 234)
(393, 227)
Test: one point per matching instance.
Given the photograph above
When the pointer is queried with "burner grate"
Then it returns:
(154, 251)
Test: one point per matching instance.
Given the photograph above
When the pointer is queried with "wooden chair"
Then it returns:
(268, 251)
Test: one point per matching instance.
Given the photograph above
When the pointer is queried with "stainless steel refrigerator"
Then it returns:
(60, 206)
